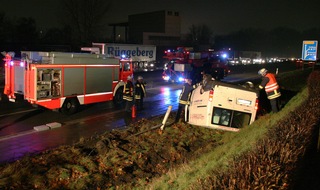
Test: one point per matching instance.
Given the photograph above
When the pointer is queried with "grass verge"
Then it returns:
(220, 157)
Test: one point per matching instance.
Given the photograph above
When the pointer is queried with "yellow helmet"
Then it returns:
(262, 72)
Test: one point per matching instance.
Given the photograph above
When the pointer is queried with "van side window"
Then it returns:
(221, 116)
(240, 119)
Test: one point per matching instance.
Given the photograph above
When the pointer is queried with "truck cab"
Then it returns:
(224, 106)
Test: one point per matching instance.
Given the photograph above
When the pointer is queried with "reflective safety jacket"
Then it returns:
(186, 93)
(128, 91)
(270, 85)
(140, 90)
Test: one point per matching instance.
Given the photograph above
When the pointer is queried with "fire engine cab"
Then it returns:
(223, 106)
(64, 80)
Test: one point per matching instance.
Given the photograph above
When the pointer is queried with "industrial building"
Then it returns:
(161, 28)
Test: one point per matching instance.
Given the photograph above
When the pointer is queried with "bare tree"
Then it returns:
(26, 31)
(3, 23)
(199, 35)
(85, 17)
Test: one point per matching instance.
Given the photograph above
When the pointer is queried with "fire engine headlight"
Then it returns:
(21, 64)
(11, 63)
(166, 78)
(224, 55)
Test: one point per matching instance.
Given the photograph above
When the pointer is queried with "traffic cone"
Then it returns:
(133, 113)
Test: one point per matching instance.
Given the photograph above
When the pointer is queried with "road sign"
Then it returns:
(309, 50)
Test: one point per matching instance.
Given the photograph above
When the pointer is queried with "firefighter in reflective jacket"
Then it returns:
(270, 85)
(140, 92)
(128, 92)
(184, 97)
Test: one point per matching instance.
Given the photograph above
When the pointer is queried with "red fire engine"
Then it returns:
(64, 81)
(184, 62)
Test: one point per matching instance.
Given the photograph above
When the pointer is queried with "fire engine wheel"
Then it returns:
(70, 106)
(118, 97)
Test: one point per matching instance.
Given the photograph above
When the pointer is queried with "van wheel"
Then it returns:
(118, 97)
(70, 106)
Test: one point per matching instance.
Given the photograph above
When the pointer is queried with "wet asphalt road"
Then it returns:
(17, 136)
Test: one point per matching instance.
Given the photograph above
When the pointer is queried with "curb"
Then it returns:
(47, 126)
(39, 128)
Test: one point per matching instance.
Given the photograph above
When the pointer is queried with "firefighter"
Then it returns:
(128, 92)
(140, 92)
(184, 97)
(207, 82)
(271, 86)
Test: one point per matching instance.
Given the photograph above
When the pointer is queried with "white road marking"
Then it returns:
(18, 112)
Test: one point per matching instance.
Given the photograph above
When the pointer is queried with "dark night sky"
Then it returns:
(223, 16)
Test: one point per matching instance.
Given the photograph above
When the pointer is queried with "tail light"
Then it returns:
(211, 95)
(257, 104)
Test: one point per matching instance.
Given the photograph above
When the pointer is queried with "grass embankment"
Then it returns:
(111, 160)
(180, 157)
(266, 155)
(195, 174)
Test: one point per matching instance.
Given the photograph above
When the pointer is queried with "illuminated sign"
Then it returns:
(118, 51)
(309, 50)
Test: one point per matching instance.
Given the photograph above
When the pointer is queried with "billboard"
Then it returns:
(309, 50)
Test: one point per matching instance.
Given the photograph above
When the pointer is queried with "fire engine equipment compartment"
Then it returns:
(77, 78)
(226, 106)
(48, 83)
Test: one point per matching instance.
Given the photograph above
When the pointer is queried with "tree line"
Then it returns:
(82, 23)
(279, 42)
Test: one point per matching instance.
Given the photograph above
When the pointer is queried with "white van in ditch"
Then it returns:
(225, 106)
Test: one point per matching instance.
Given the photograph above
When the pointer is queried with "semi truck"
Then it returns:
(222, 106)
(184, 62)
(143, 57)
(63, 80)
